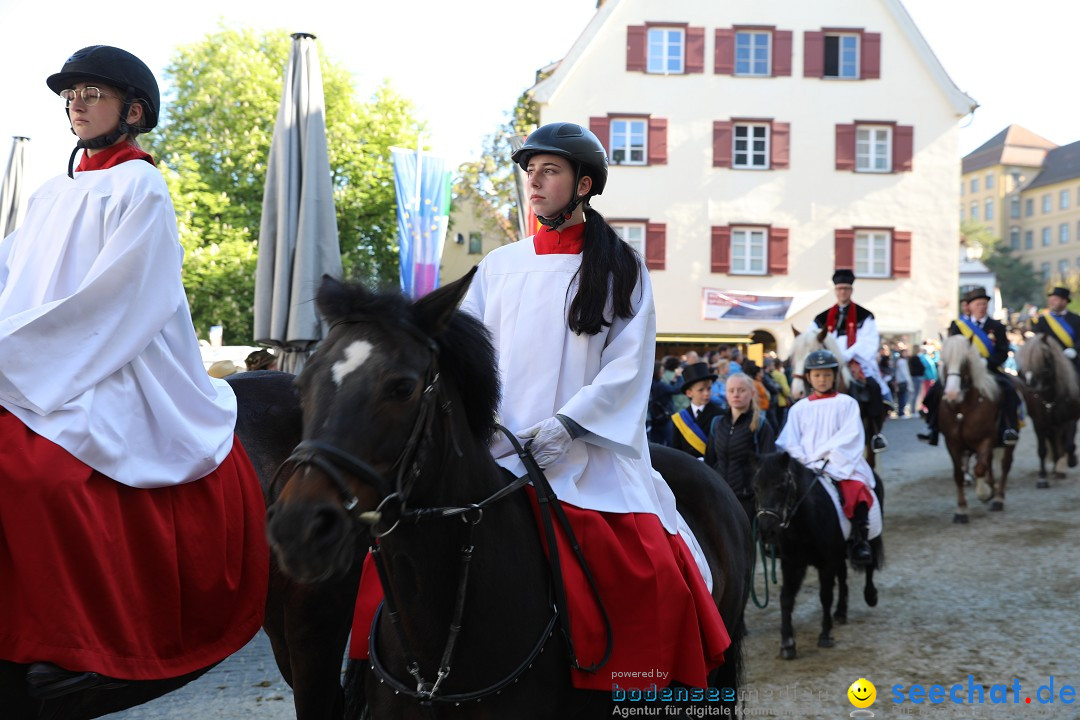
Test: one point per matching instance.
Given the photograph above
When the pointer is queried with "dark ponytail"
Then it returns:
(607, 263)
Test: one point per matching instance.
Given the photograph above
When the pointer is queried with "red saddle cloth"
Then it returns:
(131, 583)
(666, 624)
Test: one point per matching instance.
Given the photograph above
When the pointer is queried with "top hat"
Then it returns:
(1061, 293)
(977, 293)
(843, 277)
(694, 373)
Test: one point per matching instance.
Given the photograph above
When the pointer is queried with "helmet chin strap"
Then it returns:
(556, 222)
(102, 140)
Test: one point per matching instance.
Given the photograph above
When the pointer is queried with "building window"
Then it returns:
(1063, 200)
(1029, 239)
(1063, 233)
(1014, 207)
(666, 47)
(748, 251)
(1046, 237)
(962, 188)
(1063, 269)
(1029, 207)
(1015, 180)
(752, 53)
(476, 243)
(1014, 238)
(872, 253)
(628, 142)
(633, 234)
(842, 56)
(1047, 203)
(974, 210)
(988, 211)
(1044, 269)
(989, 182)
(974, 184)
(873, 148)
(750, 146)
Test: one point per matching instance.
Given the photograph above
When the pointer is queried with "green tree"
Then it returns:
(212, 145)
(1016, 277)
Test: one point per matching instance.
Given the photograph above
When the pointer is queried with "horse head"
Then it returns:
(775, 492)
(394, 387)
(1046, 370)
(964, 369)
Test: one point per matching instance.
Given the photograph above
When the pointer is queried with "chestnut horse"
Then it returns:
(967, 418)
(399, 410)
(1052, 397)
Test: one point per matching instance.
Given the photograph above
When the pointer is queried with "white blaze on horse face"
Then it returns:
(952, 387)
(356, 355)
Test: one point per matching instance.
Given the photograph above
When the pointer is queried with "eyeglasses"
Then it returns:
(90, 96)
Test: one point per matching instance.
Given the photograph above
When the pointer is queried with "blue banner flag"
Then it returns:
(423, 212)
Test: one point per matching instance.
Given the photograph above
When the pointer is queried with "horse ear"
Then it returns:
(435, 309)
(784, 459)
(795, 330)
(821, 335)
(336, 299)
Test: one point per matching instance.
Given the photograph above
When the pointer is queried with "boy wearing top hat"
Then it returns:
(692, 423)
(1060, 323)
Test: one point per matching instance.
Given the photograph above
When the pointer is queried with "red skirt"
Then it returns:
(139, 584)
(854, 492)
(666, 625)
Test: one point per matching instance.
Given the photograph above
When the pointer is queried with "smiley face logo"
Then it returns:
(862, 693)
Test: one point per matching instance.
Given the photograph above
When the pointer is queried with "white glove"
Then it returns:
(1070, 353)
(550, 441)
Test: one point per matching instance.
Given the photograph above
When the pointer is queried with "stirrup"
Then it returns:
(47, 681)
(878, 443)
(1010, 437)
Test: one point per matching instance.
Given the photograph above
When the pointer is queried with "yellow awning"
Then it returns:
(703, 339)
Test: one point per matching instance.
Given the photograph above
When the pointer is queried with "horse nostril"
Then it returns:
(324, 524)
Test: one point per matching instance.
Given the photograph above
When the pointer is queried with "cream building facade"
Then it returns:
(758, 145)
(475, 229)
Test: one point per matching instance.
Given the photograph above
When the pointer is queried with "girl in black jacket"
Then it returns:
(737, 438)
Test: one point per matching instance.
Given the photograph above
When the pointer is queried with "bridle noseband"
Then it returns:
(787, 511)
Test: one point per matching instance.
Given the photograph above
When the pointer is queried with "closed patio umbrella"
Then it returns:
(298, 239)
(13, 190)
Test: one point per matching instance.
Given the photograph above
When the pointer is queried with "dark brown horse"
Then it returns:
(307, 623)
(968, 419)
(1052, 397)
(399, 409)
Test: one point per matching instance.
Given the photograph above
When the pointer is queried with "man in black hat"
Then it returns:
(857, 334)
(1060, 323)
(989, 338)
(692, 423)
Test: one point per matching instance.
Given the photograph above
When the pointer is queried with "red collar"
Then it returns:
(112, 156)
(814, 396)
(552, 242)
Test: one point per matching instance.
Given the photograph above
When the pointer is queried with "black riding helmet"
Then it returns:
(120, 69)
(820, 360)
(576, 144)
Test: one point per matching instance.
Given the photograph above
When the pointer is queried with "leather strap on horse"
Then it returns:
(549, 504)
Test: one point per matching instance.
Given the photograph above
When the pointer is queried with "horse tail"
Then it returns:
(730, 674)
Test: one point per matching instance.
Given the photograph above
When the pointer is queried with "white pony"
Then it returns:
(806, 343)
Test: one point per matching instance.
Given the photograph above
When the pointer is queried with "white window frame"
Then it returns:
(627, 136)
(1063, 233)
(988, 181)
(1014, 238)
(1047, 203)
(658, 64)
(1047, 236)
(627, 231)
(1063, 200)
(1014, 207)
(755, 42)
(866, 151)
(988, 209)
(746, 238)
(974, 210)
(840, 58)
(748, 150)
(1029, 239)
(975, 184)
(1063, 269)
(1045, 270)
(876, 248)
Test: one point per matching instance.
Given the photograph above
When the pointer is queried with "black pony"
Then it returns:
(399, 407)
(796, 513)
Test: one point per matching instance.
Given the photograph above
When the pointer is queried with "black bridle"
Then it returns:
(787, 511)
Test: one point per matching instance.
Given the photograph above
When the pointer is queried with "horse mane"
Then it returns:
(957, 351)
(1041, 352)
(807, 342)
(467, 357)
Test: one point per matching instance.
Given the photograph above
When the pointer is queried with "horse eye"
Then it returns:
(402, 389)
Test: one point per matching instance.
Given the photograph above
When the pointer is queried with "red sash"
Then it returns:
(849, 321)
(112, 156)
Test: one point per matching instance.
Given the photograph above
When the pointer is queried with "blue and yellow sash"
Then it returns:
(689, 429)
(976, 335)
(1062, 330)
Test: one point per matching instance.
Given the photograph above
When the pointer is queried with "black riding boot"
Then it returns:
(1010, 410)
(932, 400)
(861, 554)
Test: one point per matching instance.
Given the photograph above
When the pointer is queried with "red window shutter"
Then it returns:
(722, 133)
(813, 54)
(657, 141)
(778, 248)
(845, 249)
(721, 249)
(901, 254)
(601, 128)
(870, 54)
(845, 147)
(781, 53)
(655, 245)
(695, 49)
(635, 48)
(903, 148)
(724, 52)
(780, 147)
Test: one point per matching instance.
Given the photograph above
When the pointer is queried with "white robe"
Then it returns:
(600, 381)
(827, 434)
(97, 349)
(864, 350)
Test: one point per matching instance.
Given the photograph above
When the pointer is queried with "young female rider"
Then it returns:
(132, 524)
(825, 432)
(572, 318)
